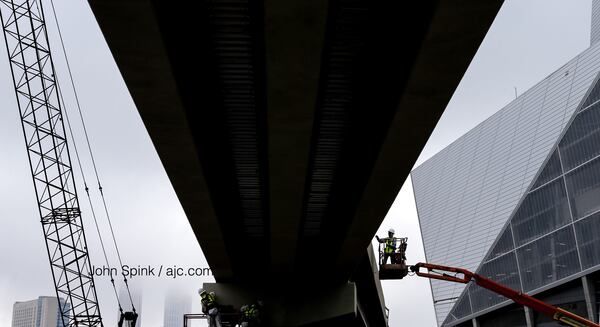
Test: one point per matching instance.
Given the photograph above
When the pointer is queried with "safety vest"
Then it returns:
(209, 300)
(250, 312)
(390, 245)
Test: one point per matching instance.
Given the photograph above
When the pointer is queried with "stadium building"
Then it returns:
(517, 199)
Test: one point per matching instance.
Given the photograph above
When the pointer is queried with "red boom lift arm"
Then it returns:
(561, 315)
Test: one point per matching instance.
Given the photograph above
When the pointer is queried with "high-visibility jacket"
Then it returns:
(390, 245)
(250, 312)
(208, 300)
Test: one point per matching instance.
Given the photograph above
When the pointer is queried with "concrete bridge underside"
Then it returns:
(288, 127)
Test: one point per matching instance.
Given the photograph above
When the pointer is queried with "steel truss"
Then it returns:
(36, 88)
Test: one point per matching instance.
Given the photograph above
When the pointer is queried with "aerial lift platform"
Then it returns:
(397, 268)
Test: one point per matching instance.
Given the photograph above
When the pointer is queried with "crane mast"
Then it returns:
(38, 100)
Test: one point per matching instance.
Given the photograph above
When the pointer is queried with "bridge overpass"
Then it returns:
(288, 127)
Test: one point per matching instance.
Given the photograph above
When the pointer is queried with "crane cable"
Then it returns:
(87, 191)
(71, 134)
(89, 147)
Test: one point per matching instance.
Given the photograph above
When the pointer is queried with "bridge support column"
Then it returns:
(590, 298)
(529, 317)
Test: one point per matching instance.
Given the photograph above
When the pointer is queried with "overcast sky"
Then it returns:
(528, 40)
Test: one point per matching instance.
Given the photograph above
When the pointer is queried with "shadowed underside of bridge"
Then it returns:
(288, 127)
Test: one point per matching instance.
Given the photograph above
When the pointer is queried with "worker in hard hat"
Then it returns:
(210, 307)
(390, 245)
(402, 249)
(250, 315)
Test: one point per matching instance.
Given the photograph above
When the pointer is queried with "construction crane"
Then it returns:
(40, 105)
(398, 270)
(34, 79)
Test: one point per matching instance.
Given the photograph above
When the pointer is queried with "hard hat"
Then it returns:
(201, 291)
(212, 293)
(392, 231)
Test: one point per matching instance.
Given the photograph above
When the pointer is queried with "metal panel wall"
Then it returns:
(595, 33)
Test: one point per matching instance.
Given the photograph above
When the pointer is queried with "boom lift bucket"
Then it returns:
(396, 268)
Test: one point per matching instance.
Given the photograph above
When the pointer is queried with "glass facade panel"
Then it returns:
(542, 211)
(593, 96)
(504, 244)
(449, 318)
(548, 259)
(514, 317)
(584, 189)
(550, 172)
(581, 142)
(588, 237)
(462, 308)
(502, 270)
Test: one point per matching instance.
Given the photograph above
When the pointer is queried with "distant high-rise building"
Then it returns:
(136, 295)
(176, 305)
(41, 312)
